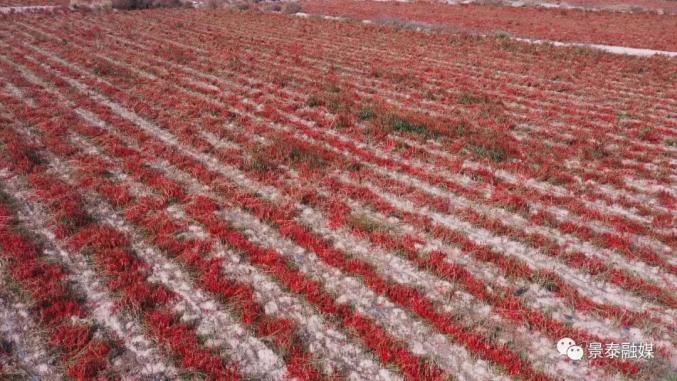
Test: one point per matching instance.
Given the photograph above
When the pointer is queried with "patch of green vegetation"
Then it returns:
(598, 153)
(105, 69)
(107, 174)
(549, 285)
(458, 130)
(502, 35)
(520, 291)
(282, 80)
(261, 165)
(496, 154)
(469, 99)
(365, 114)
(402, 77)
(644, 132)
(35, 158)
(75, 222)
(306, 156)
(622, 115)
(400, 124)
(355, 167)
(508, 44)
(313, 101)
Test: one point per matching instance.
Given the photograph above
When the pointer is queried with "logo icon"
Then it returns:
(575, 352)
(568, 347)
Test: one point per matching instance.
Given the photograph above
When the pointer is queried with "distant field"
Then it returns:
(666, 6)
(654, 6)
(24, 3)
(611, 28)
(217, 195)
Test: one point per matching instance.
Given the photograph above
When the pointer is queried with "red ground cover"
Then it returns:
(664, 6)
(500, 195)
(649, 31)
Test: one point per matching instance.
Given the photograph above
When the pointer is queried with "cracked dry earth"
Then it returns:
(192, 194)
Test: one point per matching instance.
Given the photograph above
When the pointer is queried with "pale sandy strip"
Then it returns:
(638, 52)
(29, 348)
(29, 9)
(652, 186)
(19, 94)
